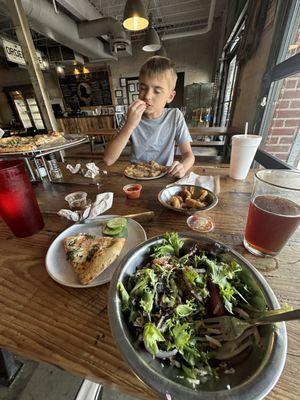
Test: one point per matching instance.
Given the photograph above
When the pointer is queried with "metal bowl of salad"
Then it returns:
(159, 301)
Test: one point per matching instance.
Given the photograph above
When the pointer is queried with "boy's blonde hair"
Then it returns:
(157, 65)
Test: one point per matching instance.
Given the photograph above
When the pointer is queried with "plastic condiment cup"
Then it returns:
(200, 223)
(133, 191)
(77, 200)
(243, 150)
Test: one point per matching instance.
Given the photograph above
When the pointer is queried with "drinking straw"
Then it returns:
(246, 128)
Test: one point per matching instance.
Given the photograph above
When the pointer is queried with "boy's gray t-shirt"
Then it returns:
(155, 139)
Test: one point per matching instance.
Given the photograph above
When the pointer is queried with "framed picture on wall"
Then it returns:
(137, 87)
(119, 93)
(135, 97)
(122, 82)
(111, 110)
(131, 87)
(125, 101)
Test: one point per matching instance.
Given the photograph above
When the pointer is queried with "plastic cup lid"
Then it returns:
(200, 222)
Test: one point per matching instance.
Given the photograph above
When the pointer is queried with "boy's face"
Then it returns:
(156, 91)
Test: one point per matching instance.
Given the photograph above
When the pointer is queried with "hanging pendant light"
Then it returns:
(135, 16)
(152, 41)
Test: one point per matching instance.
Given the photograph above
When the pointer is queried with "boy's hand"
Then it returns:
(135, 112)
(177, 169)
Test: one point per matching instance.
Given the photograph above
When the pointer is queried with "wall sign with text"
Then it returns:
(13, 52)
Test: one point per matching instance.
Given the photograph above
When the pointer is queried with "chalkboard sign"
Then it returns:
(84, 90)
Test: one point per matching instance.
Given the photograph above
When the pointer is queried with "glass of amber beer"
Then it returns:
(274, 211)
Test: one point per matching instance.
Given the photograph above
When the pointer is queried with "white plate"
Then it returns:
(61, 270)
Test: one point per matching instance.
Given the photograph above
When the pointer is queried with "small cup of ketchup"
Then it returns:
(133, 191)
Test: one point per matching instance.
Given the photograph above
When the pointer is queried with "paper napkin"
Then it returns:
(208, 182)
(92, 170)
(89, 171)
(75, 169)
(102, 203)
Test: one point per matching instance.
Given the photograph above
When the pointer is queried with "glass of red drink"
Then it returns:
(18, 204)
(274, 211)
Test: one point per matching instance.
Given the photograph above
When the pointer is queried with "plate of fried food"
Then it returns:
(187, 198)
(145, 171)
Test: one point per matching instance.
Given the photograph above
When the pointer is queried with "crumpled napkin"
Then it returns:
(102, 203)
(89, 171)
(75, 169)
(208, 182)
(92, 170)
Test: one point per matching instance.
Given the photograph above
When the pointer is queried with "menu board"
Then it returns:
(84, 90)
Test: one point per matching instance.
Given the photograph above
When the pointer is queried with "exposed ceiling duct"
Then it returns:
(201, 31)
(81, 9)
(106, 26)
(63, 29)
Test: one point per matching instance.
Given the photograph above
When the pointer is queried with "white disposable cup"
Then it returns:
(243, 149)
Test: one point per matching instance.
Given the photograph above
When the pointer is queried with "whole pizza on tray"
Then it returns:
(22, 144)
(149, 170)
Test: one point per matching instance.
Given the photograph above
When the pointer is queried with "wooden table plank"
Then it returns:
(68, 327)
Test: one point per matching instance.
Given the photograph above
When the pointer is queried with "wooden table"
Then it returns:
(69, 328)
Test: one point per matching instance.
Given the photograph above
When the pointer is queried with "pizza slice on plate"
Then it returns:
(51, 138)
(16, 143)
(90, 256)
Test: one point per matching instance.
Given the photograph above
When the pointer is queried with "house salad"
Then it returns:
(166, 301)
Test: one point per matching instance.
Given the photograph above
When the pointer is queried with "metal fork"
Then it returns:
(230, 328)
(232, 348)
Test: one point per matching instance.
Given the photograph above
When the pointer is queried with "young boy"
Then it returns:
(153, 129)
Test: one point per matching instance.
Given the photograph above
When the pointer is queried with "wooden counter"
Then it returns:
(83, 124)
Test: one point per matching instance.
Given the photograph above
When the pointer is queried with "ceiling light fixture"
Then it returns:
(135, 16)
(152, 41)
(60, 69)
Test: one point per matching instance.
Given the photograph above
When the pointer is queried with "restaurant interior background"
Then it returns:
(237, 61)
(224, 50)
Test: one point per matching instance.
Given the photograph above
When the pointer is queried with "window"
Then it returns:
(228, 75)
(280, 125)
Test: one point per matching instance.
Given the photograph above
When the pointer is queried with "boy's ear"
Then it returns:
(171, 97)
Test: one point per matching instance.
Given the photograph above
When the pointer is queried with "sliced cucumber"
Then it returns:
(116, 223)
(111, 232)
(115, 233)
(122, 234)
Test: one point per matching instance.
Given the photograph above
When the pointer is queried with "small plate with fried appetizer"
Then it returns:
(187, 198)
(145, 171)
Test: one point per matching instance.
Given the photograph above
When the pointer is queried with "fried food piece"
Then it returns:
(192, 203)
(185, 194)
(191, 189)
(203, 193)
(201, 204)
(175, 202)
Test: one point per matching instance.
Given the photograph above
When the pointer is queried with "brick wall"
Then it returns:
(286, 118)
